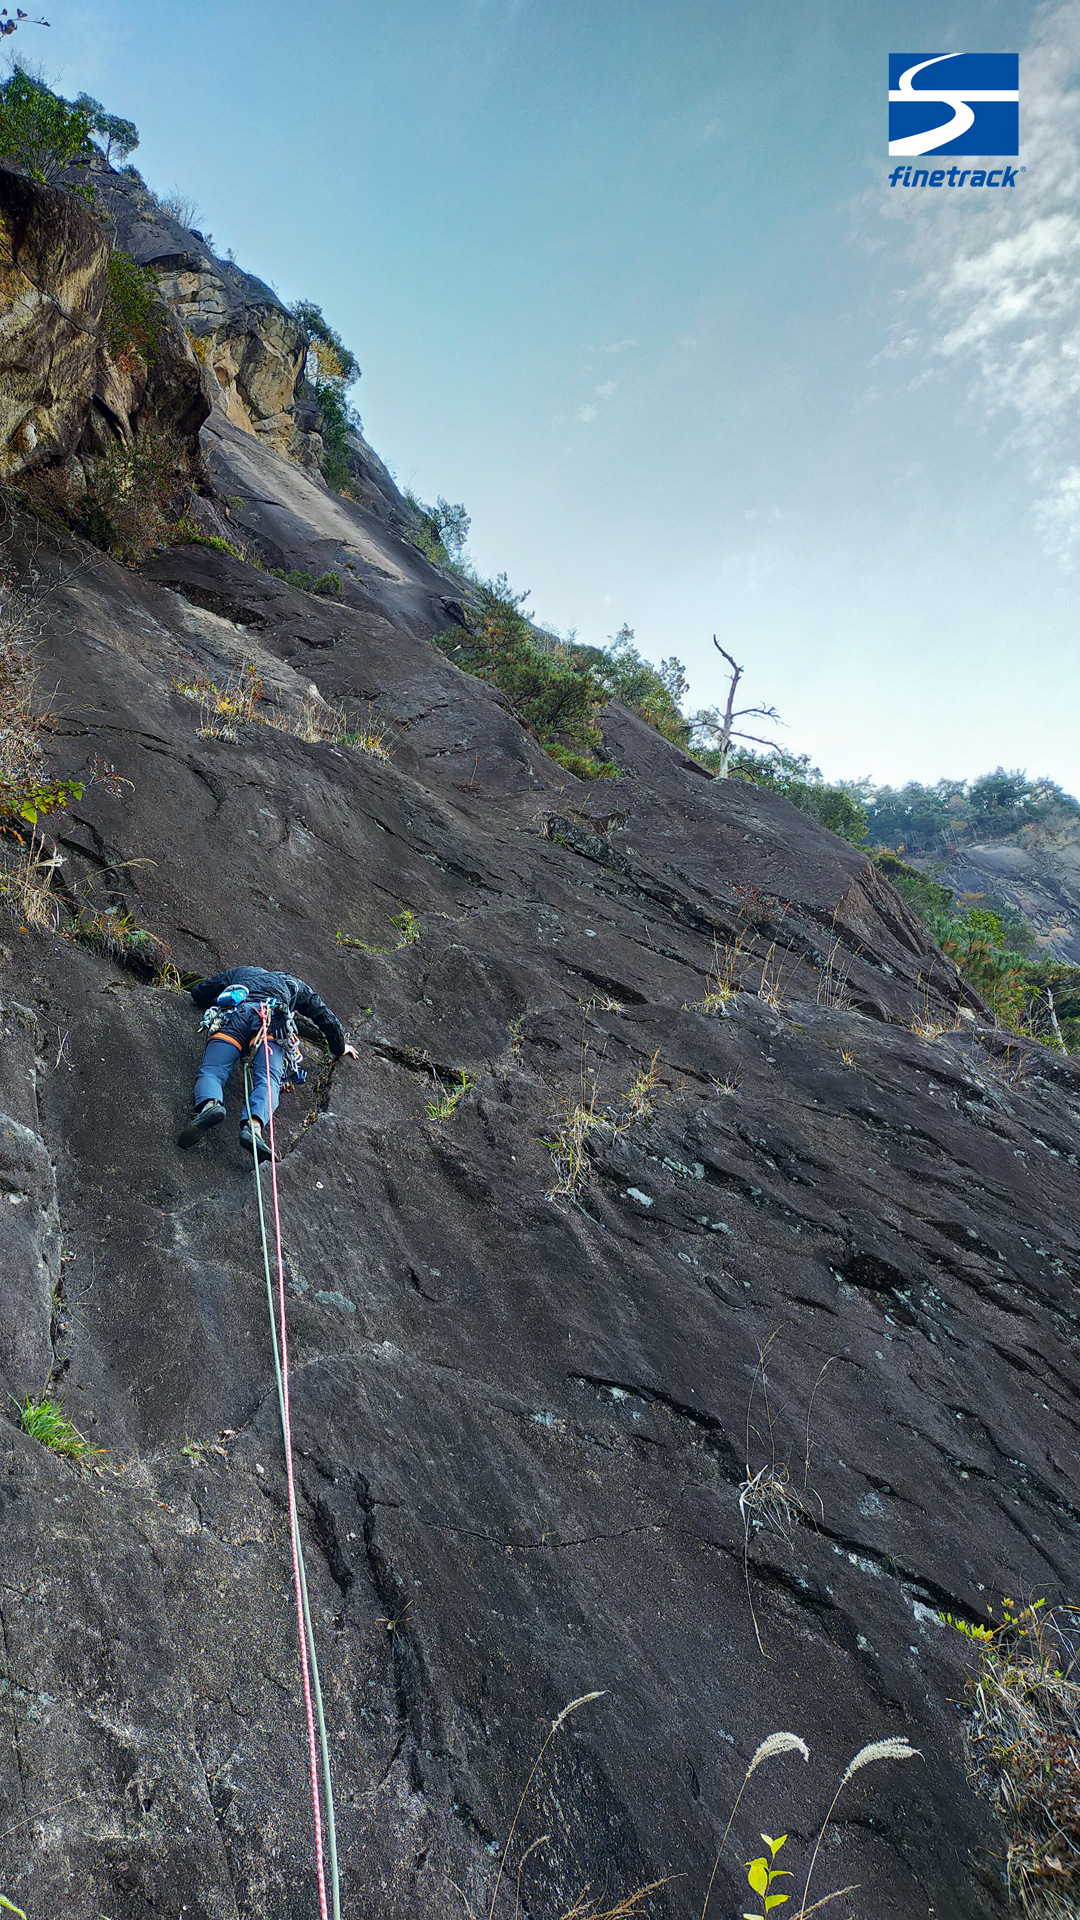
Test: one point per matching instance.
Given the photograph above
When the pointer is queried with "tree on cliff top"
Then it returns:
(40, 134)
(120, 136)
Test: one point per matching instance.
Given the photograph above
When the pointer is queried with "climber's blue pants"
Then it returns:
(218, 1062)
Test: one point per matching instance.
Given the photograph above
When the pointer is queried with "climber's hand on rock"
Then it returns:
(350, 1053)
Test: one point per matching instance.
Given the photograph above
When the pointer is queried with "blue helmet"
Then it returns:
(232, 996)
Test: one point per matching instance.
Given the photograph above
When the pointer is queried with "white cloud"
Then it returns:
(587, 413)
(619, 346)
(1001, 279)
(607, 389)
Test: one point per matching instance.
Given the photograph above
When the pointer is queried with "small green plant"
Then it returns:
(294, 577)
(46, 1421)
(761, 1873)
(448, 1098)
(405, 924)
(187, 532)
(30, 800)
(762, 1876)
(132, 318)
(196, 1450)
(327, 584)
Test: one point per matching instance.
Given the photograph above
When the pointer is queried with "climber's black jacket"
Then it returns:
(293, 993)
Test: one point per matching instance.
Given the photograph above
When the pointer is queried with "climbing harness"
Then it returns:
(282, 1027)
(309, 1665)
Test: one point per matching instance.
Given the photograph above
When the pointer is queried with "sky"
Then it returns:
(629, 281)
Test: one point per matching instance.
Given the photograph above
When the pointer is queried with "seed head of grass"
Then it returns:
(888, 1749)
(771, 1746)
(572, 1706)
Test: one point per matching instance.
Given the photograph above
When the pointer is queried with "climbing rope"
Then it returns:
(309, 1665)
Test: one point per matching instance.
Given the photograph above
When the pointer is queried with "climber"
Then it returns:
(233, 1024)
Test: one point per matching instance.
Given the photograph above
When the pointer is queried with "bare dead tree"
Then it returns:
(724, 728)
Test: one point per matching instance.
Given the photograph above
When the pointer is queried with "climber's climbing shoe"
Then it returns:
(254, 1129)
(206, 1116)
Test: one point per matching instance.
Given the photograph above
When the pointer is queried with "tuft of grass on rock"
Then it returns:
(46, 1421)
(448, 1098)
(1023, 1702)
(405, 925)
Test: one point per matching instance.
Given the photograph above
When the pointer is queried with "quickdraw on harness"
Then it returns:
(318, 1746)
(281, 1022)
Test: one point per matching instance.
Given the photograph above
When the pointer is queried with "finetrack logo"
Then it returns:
(954, 103)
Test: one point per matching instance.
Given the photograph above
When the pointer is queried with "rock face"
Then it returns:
(1036, 871)
(53, 256)
(252, 348)
(716, 1104)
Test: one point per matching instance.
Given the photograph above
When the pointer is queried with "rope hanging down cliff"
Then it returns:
(309, 1665)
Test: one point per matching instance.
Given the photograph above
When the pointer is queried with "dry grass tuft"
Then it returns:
(768, 1498)
(724, 983)
(579, 1119)
(832, 990)
(315, 720)
(772, 985)
(26, 883)
(1024, 1732)
(225, 707)
(238, 701)
(586, 1909)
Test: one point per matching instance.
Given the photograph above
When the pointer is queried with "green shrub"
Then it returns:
(653, 692)
(554, 691)
(338, 371)
(993, 952)
(834, 807)
(326, 584)
(132, 318)
(136, 496)
(582, 765)
(40, 133)
(191, 535)
(443, 532)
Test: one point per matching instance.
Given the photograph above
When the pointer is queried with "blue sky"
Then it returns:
(629, 281)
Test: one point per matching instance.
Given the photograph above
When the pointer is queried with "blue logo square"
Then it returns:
(954, 103)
